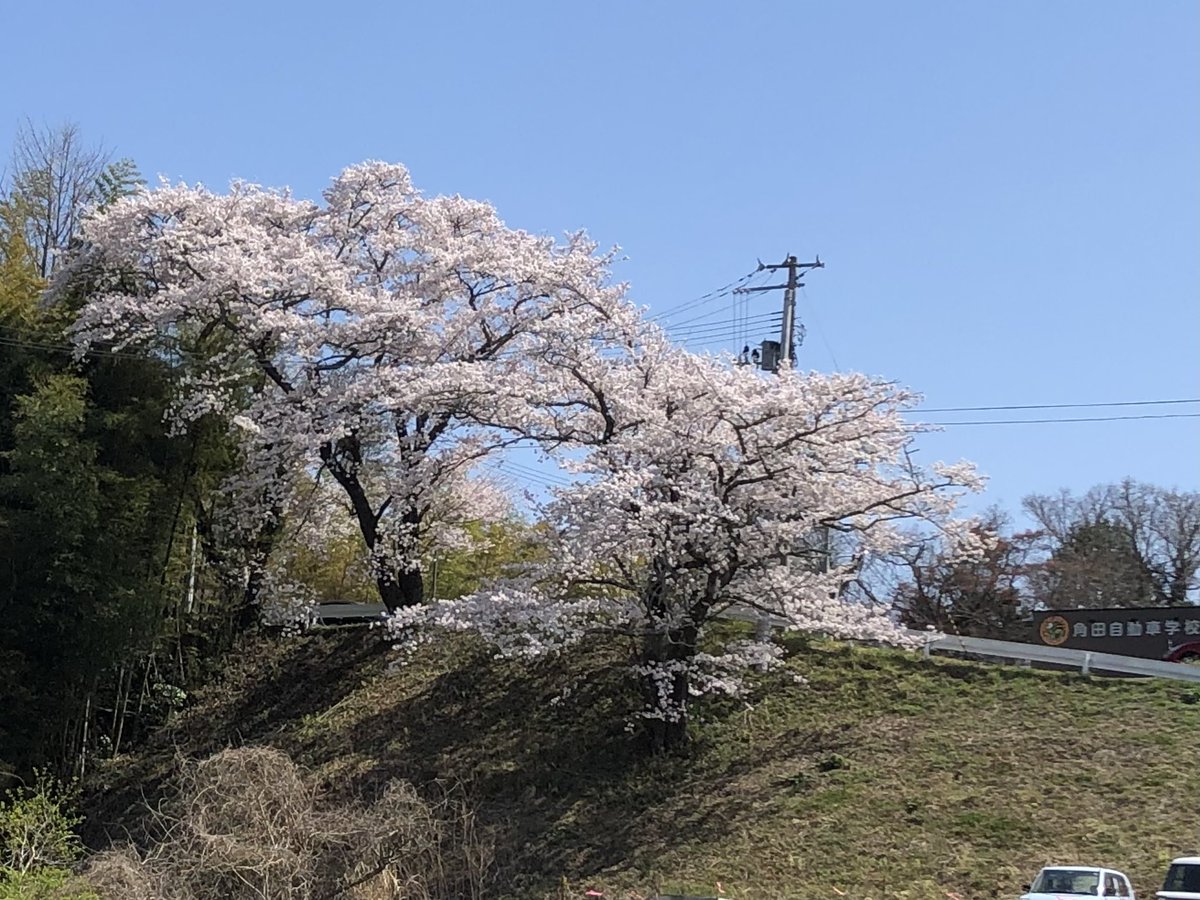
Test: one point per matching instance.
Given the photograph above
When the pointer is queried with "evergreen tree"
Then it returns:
(1096, 566)
(95, 498)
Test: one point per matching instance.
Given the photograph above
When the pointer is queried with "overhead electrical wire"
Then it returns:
(722, 323)
(550, 477)
(944, 409)
(55, 347)
(528, 473)
(742, 318)
(733, 289)
(718, 331)
(708, 340)
(718, 314)
(735, 329)
(528, 480)
(812, 311)
(704, 299)
(1065, 421)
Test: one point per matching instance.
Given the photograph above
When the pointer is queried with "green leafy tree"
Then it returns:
(336, 572)
(56, 178)
(95, 500)
(497, 550)
(83, 536)
(38, 844)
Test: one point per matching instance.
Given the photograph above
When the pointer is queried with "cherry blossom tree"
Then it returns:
(363, 337)
(700, 491)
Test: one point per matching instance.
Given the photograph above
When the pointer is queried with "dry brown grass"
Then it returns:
(248, 823)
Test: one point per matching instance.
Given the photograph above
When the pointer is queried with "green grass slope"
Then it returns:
(852, 772)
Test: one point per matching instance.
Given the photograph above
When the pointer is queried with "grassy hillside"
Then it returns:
(864, 771)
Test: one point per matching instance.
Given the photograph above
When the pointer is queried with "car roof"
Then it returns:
(1090, 869)
(1186, 861)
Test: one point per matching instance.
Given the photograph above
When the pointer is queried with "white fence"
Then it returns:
(1085, 661)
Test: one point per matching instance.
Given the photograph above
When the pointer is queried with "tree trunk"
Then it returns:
(246, 616)
(677, 646)
(264, 543)
(668, 735)
(396, 589)
(400, 589)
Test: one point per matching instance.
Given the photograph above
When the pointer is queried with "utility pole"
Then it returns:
(772, 354)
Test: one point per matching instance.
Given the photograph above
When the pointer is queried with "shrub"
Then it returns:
(38, 843)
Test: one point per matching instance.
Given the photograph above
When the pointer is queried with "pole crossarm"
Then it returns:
(752, 290)
(791, 263)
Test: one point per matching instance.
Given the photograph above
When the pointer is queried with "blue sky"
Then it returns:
(1007, 195)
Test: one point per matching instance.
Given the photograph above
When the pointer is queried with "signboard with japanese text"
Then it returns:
(1155, 632)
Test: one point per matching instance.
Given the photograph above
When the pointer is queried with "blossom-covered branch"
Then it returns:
(382, 336)
(703, 487)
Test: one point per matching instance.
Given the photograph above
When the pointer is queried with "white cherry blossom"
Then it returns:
(364, 337)
(702, 489)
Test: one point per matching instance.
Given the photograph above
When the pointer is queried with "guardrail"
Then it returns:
(328, 613)
(1086, 661)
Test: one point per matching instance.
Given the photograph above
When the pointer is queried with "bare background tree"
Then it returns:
(53, 178)
(1125, 544)
(927, 585)
(1128, 544)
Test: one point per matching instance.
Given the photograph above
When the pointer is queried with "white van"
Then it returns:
(1183, 880)
(1062, 882)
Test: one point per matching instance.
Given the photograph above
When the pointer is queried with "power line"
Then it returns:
(700, 318)
(718, 331)
(732, 327)
(546, 479)
(706, 315)
(1062, 421)
(51, 347)
(723, 323)
(704, 299)
(729, 339)
(945, 409)
(535, 474)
